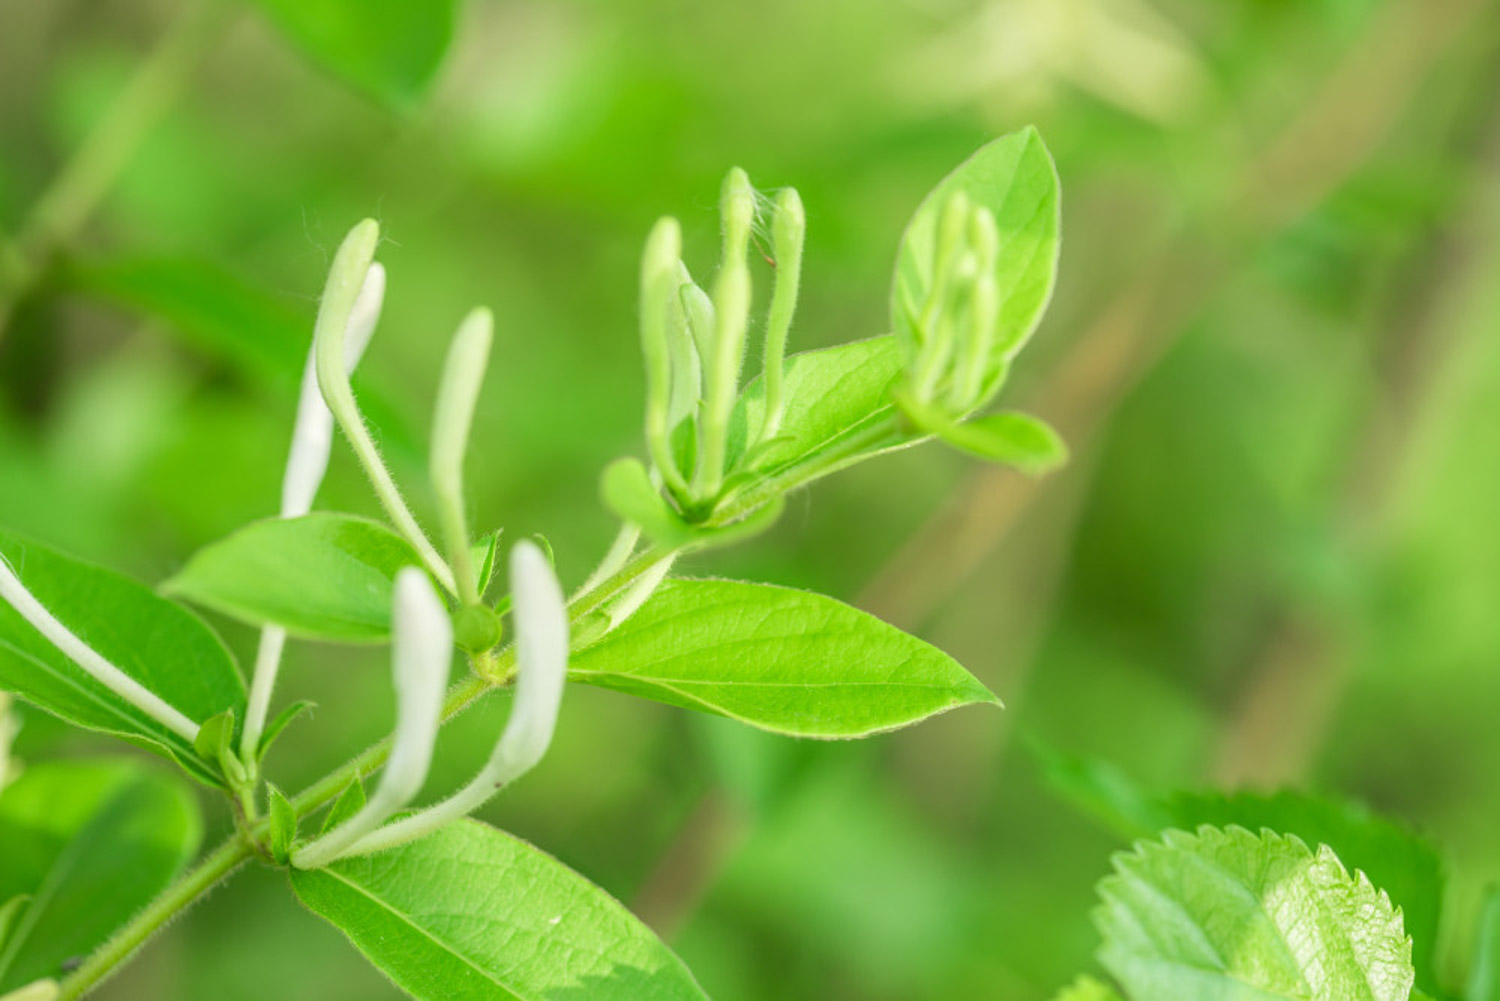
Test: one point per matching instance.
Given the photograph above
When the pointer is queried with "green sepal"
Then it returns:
(280, 722)
(350, 802)
(484, 554)
(283, 825)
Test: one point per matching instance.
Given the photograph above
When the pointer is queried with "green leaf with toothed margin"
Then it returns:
(470, 913)
(784, 660)
(1227, 915)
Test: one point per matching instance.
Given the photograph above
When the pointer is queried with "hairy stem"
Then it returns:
(214, 868)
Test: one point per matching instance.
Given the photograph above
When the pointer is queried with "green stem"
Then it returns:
(238, 848)
(219, 863)
(78, 188)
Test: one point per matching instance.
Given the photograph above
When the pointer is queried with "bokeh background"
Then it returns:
(1274, 349)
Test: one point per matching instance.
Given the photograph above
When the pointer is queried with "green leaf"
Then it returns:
(210, 308)
(472, 914)
(1406, 867)
(1087, 989)
(1484, 971)
(91, 842)
(627, 490)
(280, 722)
(783, 660)
(158, 643)
(1229, 915)
(1015, 179)
(830, 394)
(321, 576)
(283, 825)
(391, 50)
(350, 802)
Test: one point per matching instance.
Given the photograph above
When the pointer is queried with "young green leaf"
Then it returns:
(783, 660)
(1010, 438)
(280, 722)
(215, 744)
(627, 490)
(1484, 971)
(391, 51)
(350, 802)
(829, 394)
(160, 644)
(483, 553)
(470, 912)
(1087, 989)
(91, 842)
(321, 576)
(1230, 915)
(283, 825)
(1015, 180)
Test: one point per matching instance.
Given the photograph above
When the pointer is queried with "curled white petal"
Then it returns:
(422, 648)
(541, 624)
(312, 437)
(15, 594)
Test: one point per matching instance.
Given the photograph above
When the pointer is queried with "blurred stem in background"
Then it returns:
(73, 195)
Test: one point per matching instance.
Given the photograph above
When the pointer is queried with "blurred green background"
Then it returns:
(1275, 350)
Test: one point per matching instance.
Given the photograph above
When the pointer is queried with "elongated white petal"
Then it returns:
(458, 395)
(422, 648)
(15, 594)
(541, 622)
(312, 437)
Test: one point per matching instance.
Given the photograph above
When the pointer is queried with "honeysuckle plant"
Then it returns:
(1229, 898)
(415, 884)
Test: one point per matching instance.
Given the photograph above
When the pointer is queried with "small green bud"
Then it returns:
(477, 628)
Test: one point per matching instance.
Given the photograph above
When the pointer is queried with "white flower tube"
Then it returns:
(15, 594)
(422, 648)
(541, 624)
(306, 465)
(312, 437)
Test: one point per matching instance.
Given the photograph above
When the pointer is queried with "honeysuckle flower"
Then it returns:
(312, 436)
(15, 594)
(306, 465)
(351, 263)
(541, 628)
(458, 394)
(421, 650)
